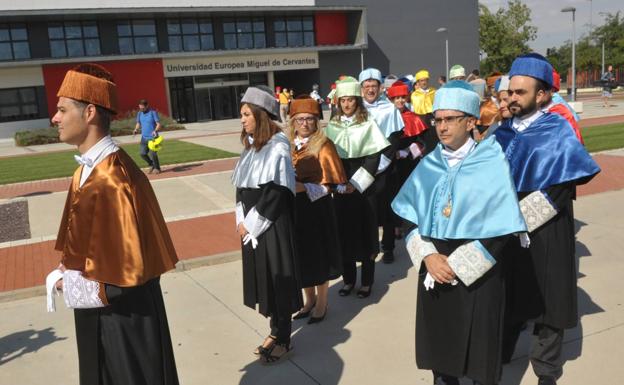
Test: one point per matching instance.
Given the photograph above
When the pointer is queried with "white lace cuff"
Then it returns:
(341, 188)
(418, 247)
(537, 209)
(240, 213)
(79, 292)
(51, 290)
(362, 180)
(470, 262)
(315, 191)
(255, 223)
(384, 162)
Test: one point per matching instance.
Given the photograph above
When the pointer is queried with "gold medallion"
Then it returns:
(446, 211)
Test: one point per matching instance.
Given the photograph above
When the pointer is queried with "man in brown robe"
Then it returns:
(114, 244)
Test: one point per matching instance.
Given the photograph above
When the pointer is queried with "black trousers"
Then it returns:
(349, 272)
(146, 153)
(388, 236)
(545, 355)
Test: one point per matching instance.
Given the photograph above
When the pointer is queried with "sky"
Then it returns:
(555, 27)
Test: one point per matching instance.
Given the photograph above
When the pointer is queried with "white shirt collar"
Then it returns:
(299, 142)
(521, 124)
(454, 157)
(347, 119)
(95, 155)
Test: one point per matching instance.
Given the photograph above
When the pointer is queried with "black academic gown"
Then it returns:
(459, 329)
(127, 342)
(542, 278)
(356, 213)
(269, 271)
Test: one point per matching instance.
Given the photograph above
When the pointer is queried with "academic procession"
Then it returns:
(475, 178)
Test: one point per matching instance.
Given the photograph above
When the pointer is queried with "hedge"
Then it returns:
(119, 127)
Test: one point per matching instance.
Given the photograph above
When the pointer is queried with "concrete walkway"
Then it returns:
(361, 342)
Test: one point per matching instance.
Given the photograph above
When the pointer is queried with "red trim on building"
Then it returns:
(135, 79)
(331, 28)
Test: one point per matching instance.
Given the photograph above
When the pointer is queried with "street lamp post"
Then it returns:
(573, 10)
(444, 29)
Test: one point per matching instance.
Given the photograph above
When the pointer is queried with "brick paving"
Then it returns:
(591, 122)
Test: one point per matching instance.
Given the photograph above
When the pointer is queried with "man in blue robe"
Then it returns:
(389, 120)
(547, 162)
(463, 208)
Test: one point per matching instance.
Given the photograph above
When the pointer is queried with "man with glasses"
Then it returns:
(462, 206)
(547, 163)
(389, 120)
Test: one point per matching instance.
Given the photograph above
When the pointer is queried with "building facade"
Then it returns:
(194, 59)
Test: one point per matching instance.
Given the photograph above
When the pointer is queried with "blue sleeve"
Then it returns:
(155, 115)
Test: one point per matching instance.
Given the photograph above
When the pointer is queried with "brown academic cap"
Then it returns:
(90, 83)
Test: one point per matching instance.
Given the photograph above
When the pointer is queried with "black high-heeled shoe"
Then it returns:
(304, 314)
(345, 292)
(315, 320)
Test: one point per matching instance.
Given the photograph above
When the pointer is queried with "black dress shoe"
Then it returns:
(315, 320)
(388, 257)
(364, 293)
(546, 380)
(346, 290)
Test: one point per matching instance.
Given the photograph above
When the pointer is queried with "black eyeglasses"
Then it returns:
(448, 119)
(309, 120)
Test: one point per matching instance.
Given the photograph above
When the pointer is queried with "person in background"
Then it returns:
(457, 72)
(608, 83)
(489, 109)
(359, 143)
(422, 96)
(319, 100)
(478, 83)
(284, 101)
(550, 105)
(148, 122)
(318, 171)
(441, 80)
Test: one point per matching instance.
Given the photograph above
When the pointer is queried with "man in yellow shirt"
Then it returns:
(284, 100)
(422, 97)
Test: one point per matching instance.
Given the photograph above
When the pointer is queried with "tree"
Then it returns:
(504, 35)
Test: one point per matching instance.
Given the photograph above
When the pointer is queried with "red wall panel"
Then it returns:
(135, 79)
(331, 28)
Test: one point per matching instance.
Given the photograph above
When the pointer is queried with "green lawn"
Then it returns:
(607, 137)
(59, 164)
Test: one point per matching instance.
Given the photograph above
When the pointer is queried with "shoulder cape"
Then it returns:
(112, 227)
(545, 154)
(414, 124)
(271, 164)
(324, 168)
(356, 140)
(386, 115)
(484, 202)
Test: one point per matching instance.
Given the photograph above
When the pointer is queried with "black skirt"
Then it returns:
(357, 225)
(318, 245)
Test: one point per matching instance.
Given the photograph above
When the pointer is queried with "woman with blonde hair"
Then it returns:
(318, 171)
(359, 143)
(265, 189)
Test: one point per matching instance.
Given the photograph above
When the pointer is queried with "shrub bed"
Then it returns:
(124, 125)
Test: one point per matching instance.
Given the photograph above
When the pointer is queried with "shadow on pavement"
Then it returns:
(184, 167)
(314, 345)
(27, 341)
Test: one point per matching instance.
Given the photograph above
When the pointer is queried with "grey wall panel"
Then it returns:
(334, 64)
(403, 39)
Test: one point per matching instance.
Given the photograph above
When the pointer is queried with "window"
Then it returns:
(190, 35)
(19, 104)
(294, 32)
(244, 33)
(137, 36)
(14, 42)
(71, 39)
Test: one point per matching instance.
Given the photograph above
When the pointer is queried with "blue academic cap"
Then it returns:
(533, 65)
(457, 95)
(370, 73)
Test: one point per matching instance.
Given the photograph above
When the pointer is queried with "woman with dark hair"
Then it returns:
(359, 143)
(265, 187)
(318, 170)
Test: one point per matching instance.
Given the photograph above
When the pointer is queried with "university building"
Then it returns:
(193, 59)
